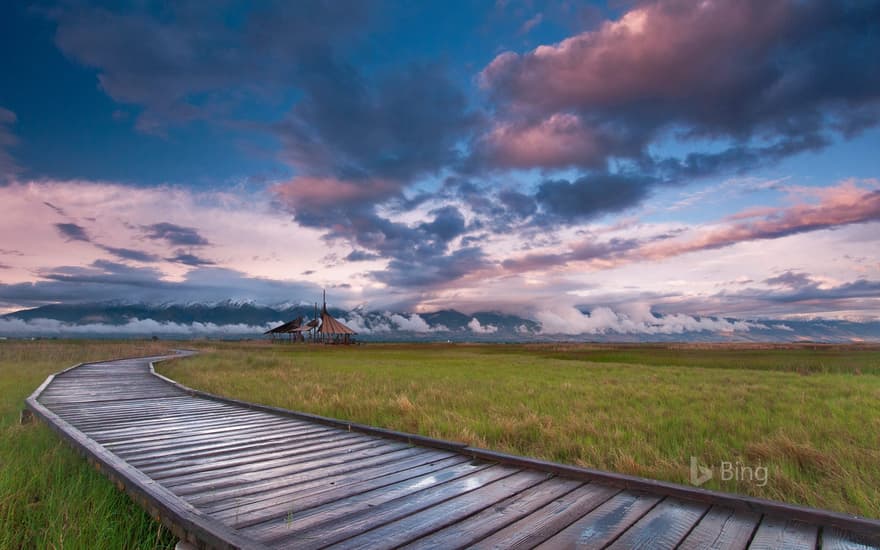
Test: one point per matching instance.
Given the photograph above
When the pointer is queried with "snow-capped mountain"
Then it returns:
(244, 319)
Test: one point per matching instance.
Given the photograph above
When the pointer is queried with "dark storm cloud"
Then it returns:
(404, 124)
(191, 60)
(448, 223)
(175, 235)
(521, 205)
(72, 232)
(790, 74)
(593, 195)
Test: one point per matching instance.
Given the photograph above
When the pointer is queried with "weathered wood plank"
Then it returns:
(317, 510)
(323, 491)
(783, 534)
(176, 446)
(308, 469)
(603, 523)
(225, 472)
(467, 531)
(192, 464)
(545, 522)
(254, 440)
(370, 510)
(304, 479)
(838, 539)
(663, 527)
(419, 524)
(279, 455)
(722, 528)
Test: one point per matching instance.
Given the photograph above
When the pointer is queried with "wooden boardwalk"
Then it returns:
(222, 473)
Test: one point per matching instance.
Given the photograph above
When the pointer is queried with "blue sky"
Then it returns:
(694, 158)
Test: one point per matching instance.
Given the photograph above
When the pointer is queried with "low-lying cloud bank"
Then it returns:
(53, 327)
(631, 322)
(603, 320)
(566, 320)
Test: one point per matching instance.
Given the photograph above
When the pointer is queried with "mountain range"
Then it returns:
(236, 319)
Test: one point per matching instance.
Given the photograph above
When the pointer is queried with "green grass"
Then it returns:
(804, 359)
(811, 416)
(49, 496)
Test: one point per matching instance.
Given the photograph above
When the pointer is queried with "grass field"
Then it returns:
(49, 496)
(810, 416)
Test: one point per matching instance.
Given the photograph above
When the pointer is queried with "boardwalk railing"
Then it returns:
(224, 473)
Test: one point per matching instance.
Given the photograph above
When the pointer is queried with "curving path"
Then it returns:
(228, 474)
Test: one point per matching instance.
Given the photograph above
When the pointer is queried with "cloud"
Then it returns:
(531, 23)
(105, 280)
(175, 235)
(325, 201)
(190, 62)
(413, 323)
(558, 141)
(844, 204)
(130, 254)
(788, 75)
(183, 257)
(73, 232)
(361, 256)
(592, 196)
(841, 205)
(790, 279)
(404, 124)
(448, 223)
(52, 327)
(432, 271)
(477, 328)
(570, 320)
(8, 139)
(793, 287)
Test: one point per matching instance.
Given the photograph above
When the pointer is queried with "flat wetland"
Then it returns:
(809, 414)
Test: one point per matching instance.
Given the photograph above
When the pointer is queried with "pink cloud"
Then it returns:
(841, 205)
(557, 141)
(661, 50)
(305, 192)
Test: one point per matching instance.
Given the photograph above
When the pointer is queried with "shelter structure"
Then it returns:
(332, 331)
(291, 328)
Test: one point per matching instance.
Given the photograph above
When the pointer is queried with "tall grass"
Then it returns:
(816, 430)
(49, 496)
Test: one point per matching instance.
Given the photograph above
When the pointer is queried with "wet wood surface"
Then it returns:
(229, 474)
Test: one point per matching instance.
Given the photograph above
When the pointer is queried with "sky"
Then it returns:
(633, 158)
